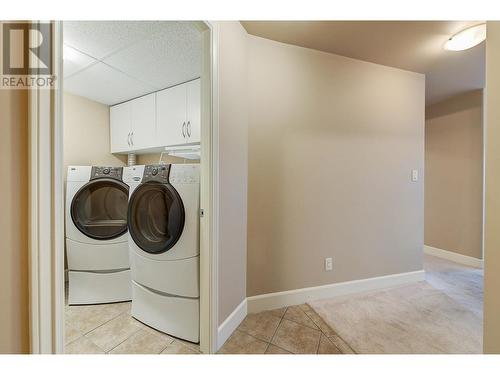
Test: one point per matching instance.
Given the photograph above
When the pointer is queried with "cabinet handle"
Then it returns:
(132, 138)
(184, 129)
(188, 129)
(128, 138)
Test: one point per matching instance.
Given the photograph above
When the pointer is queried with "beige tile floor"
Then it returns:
(109, 328)
(290, 330)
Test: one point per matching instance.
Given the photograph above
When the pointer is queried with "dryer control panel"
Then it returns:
(106, 172)
(156, 172)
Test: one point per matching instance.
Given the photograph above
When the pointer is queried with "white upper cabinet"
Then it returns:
(133, 124)
(171, 116)
(143, 133)
(193, 111)
(120, 118)
(178, 114)
(166, 118)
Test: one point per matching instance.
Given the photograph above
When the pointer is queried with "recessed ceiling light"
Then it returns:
(467, 38)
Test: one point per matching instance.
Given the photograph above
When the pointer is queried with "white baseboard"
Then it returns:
(298, 296)
(454, 257)
(231, 323)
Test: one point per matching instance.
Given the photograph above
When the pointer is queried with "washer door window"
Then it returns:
(99, 209)
(155, 217)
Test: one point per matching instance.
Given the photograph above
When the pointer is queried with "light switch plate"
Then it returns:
(328, 264)
(414, 175)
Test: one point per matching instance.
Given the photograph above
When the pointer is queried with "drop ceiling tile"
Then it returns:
(75, 61)
(106, 85)
(167, 58)
(101, 38)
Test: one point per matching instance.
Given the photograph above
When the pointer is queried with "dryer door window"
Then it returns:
(155, 217)
(99, 209)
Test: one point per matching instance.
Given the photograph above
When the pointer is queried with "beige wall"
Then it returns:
(155, 158)
(14, 303)
(86, 133)
(454, 174)
(233, 167)
(332, 142)
(492, 204)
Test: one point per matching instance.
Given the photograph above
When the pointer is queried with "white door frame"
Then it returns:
(46, 208)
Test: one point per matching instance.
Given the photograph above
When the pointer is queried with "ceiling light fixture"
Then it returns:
(467, 38)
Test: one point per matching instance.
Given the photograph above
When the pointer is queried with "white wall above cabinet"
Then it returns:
(166, 118)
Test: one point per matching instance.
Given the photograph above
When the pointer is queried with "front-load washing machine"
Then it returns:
(97, 235)
(163, 221)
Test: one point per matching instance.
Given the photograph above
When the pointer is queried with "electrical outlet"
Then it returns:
(328, 264)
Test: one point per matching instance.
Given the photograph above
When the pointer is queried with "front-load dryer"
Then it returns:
(97, 235)
(163, 221)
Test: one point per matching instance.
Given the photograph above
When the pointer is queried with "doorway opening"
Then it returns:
(138, 79)
(454, 178)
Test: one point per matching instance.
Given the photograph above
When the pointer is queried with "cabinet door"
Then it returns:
(171, 116)
(120, 127)
(194, 110)
(143, 122)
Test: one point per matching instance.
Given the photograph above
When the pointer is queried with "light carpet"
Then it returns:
(415, 318)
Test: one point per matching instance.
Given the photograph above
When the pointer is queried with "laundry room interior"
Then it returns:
(132, 109)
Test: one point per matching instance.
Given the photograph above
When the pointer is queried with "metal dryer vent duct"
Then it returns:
(131, 160)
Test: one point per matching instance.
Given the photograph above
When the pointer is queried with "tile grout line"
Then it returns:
(306, 326)
(348, 345)
(340, 350)
(328, 338)
(319, 341)
(171, 342)
(100, 325)
(322, 332)
(133, 333)
(313, 320)
(319, 328)
(282, 318)
(248, 334)
(184, 345)
(92, 330)
(260, 339)
(173, 338)
(276, 330)
(335, 332)
(116, 317)
(302, 325)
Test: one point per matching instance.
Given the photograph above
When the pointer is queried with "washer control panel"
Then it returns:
(106, 172)
(156, 172)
